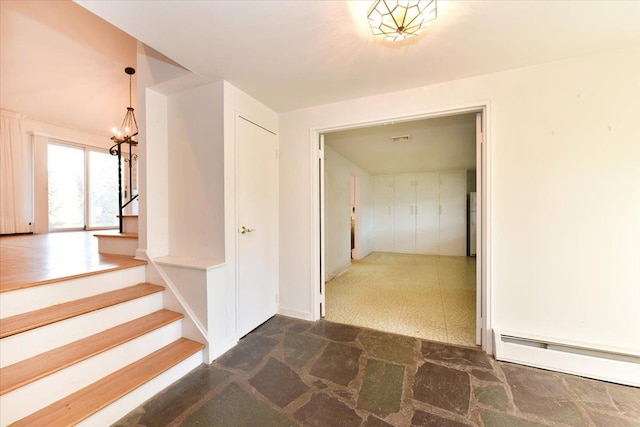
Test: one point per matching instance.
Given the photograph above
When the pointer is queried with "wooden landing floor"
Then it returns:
(37, 259)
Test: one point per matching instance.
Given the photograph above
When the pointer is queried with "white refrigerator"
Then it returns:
(472, 223)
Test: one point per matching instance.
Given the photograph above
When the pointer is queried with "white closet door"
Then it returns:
(427, 212)
(405, 219)
(257, 238)
(383, 214)
(453, 214)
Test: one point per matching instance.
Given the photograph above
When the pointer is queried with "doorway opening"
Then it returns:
(355, 217)
(412, 259)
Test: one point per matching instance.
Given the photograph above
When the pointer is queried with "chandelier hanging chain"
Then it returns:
(131, 71)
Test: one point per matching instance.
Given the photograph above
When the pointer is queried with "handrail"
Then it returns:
(116, 150)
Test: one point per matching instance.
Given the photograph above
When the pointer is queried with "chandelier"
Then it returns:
(396, 20)
(129, 128)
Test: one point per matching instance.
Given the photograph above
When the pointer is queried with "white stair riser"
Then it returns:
(37, 297)
(32, 397)
(117, 245)
(137, 397)
(130, 224)
(30, 343)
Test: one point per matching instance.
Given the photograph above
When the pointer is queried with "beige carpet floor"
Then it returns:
(423, 296)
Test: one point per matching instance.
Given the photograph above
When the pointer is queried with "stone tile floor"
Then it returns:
(291, 372)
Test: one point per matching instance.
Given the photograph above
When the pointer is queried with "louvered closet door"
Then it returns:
(405, 218)
(427, 212)
(453, 214)
(383, 214)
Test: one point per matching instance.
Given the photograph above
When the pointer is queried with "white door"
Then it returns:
(427, 213)
(453, 213)
(257, 225)
(405, 218)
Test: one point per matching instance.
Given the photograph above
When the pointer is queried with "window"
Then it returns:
(83, 188)
(66, 187)
(103, 189)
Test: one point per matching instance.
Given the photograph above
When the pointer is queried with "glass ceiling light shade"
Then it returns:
(397, 20)
(129, 128)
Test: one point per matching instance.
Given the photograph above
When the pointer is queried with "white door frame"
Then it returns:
(320, 270)
(483, 185)
(481, 147)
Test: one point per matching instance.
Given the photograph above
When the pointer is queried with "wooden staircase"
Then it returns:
(88, 360)
(125, 243)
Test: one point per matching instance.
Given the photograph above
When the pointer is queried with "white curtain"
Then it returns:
(15, 212)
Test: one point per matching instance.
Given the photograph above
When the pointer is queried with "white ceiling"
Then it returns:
(293, 54)
(444, 143)
(59, 63)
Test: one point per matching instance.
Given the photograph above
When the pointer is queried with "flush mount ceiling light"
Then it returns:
(397, 20)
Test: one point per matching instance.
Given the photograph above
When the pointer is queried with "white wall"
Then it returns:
(196, 172)
(337, 203)
(564, 150)
(158, 78)
(189, 123)
(188, 207)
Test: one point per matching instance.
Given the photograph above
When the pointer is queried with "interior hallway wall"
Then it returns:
(337, 200)
(196, 170)
(187, 181)
(563, 153)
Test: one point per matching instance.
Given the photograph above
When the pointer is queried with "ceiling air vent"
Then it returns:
(400, 138)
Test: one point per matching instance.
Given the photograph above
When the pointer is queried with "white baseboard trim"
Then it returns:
(298, 314)
(141, 254)
(363, 255)
(338, 272)
(216, 350)
(616, 365)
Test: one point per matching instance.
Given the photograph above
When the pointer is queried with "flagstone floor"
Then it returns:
(291, 372)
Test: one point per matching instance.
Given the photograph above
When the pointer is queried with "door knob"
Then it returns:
(245, 230)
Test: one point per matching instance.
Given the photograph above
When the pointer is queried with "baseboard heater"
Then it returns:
(612, 364)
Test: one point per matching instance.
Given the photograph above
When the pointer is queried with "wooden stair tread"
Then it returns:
(34, 368)
(34, 319)
(89, 400)
(104, 264)
(118, 235)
